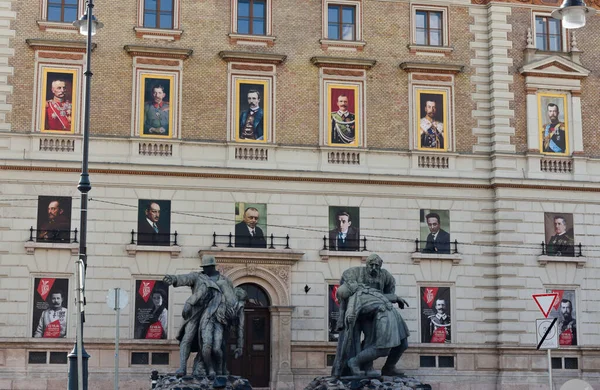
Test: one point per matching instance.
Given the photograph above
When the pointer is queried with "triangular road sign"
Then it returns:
(545, 302)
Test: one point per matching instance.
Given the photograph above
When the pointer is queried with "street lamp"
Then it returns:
(78, 358)
(573, 13)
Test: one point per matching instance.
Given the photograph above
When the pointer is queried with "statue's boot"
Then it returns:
(391, 371)
(389, 368)
(354, 366)
(184, 354)
(198, 366)
(208, 362)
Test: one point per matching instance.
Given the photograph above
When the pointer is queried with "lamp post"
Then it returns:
(573, 13)
(78, 358)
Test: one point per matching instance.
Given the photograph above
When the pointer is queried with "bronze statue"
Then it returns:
(213, 307)
(366, 296)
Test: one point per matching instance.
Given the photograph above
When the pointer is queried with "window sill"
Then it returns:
(31, 246)
(174, 250)
(252, 40)
(417, 257)
(326, 254)
(45, 25)
(334, 44)
(430, 50)
(157, 33)
(543, 260)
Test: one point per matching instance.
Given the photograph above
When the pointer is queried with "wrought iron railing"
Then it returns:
(439, 247)
(52, 235)
(348, 245)
(158, 239)
(562, 250)
(270, 242)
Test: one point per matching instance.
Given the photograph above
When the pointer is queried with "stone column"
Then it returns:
(281, 345)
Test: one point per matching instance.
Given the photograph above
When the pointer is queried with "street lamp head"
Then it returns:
(82, 24)
(573, 13)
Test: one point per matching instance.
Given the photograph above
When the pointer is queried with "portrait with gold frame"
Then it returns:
(252, 110)
(59, 93)
(553, 123)
(432, 120)
(156, 106)
(343, 123)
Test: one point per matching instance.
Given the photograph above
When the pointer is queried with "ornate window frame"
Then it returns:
(250, 39)
(564, 34)
(338, 44)
(445, 48)
(45, 25)
(171, 34)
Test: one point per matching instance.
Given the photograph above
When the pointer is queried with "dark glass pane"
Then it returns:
(256, 295)
(333, 32)
(150, 20)
(37, 357)
(70, 14)
(435, 20)
(160, 358)
(540, 25)
(421, 19)
(557, 363)
(258, 27)
(54, 14)
(435, 38)
(348, 15)
(150, 5)
(540, 42)
(333, 15)
(259, 9)
(244, 8)
(243, 26)
(330, 360)
(421, 37)
(139, 358)
(554, 26)
(166, 21)
(555, 43)
(58, 358)
(166, 5)
(348, 32)
(427, 361)
(571, 363)
(258, 329)
(446, 361)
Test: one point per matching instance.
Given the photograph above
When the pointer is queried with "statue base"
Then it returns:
(359, 383)
(192, 382)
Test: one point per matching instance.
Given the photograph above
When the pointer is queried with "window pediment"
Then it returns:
(555, 66)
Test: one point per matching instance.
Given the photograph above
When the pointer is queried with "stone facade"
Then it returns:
(497, 186)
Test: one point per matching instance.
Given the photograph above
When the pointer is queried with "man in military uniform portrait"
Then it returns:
(554, 133)
(561, 243)
(567, 324)
(59, 108)
(343, 126)
(432, 129)
(439, 323)
(156, 111)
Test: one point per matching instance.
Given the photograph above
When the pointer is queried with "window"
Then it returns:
(62, 11)
(158, 14)
(252, 17)
(341, 22)
(548, 33)
(436, 361)
(429, 28)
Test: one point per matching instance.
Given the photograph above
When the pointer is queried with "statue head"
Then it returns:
(374, 263)
(208, 260)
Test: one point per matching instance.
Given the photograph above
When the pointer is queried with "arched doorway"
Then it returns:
(254, 364)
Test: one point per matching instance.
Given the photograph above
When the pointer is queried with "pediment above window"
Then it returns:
(555, 66)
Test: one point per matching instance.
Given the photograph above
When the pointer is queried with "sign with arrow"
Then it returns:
(545, 302)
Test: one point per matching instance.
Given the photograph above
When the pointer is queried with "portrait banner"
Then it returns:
(344, 228)
(435, 315)
(154, 222)
(251, 225)
(151, 309)
(432, 119)
(252, 110)
(565, 309)
(53, 219)
(59, 91)
(559, 234)
(343, 107)
(156, 106)
(50, 314)
(553, 124)
(434, 231)
(334, 312)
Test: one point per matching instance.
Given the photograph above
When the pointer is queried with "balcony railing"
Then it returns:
(55, 235)
(439, 247)
(348, 245)
(156, 239)
(271, 242)
(562, 250)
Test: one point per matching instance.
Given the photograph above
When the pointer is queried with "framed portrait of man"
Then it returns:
(154, 222)
(250, 225)
(151, 310)
(59, 93)
(344, 228)
(564, 309)
(432, 120)
(50, 308)
(156, 106)
(53, 219)
(252, 110)
(560, 236)
(435, 305)
(553, 124)
(334, 312)
(344, 129)
(435, 231)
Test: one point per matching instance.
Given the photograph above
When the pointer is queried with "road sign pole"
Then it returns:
(550, 367)
(117, 290)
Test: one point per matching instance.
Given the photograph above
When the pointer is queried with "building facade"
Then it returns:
(454, 138)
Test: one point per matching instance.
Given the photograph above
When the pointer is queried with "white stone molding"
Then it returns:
(418, 257)
(579, 261)
(326, 254)
(174, 250)
(31, 246)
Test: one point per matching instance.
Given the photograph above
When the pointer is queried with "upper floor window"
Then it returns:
(158, 14)
(548, 33)
(429, 28)
(252, 17)
(62, 11)
(341, 22)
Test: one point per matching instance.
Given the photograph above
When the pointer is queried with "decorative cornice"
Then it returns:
(253, 256)
(426, 67)
(343, 62)
(156, 51)
(157, 33)
(244, 56)
(57, 45)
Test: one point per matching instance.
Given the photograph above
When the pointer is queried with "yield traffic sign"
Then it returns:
(545, 302)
